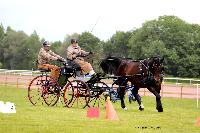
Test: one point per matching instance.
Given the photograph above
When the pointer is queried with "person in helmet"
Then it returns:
(74, 53)
(45, 56)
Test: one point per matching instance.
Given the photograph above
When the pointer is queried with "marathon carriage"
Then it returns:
(91, 93)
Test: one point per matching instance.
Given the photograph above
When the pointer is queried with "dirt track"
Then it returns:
(178, 91)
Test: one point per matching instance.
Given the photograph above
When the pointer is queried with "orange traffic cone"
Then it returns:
(110, 111)
(198, 121)
(93, 112)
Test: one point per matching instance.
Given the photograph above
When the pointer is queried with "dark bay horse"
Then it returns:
(147, 73)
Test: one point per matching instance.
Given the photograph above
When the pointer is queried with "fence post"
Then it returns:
(29, 81)
(17, 82)
(181, 92)
(6, 80)
(197, 95)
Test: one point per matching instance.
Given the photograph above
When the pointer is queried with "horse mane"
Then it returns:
(110, 64)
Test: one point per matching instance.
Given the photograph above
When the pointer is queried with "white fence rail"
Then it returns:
(17, 72)
(179, 81)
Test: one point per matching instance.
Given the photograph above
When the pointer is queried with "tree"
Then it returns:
(29, 51)
(11, 45)
(117, 45)
(1, 43)
(173, 38)
(89, 42)
(19, 50)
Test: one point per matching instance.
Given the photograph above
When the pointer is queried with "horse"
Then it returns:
(146, 73)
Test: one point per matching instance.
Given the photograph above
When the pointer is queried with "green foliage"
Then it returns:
(2, 34)
(168, 36)
(12, 48)
(172, 38)
(19, 50)
(118, 44)
(1, 65)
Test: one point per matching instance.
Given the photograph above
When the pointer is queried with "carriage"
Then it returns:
(93, 93)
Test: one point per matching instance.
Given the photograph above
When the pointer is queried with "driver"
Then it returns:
(45, 56)
(74, 52)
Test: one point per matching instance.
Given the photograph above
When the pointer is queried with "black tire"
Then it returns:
(51, 92)
(98, 94)
(35, 89)
(68, 94)
(80, 94)
(38, 92)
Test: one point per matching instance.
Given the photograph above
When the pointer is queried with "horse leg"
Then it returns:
(158, 97)
(158, 100)
(138, 98)
(121, 92)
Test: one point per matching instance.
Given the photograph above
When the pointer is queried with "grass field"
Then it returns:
(179, 115)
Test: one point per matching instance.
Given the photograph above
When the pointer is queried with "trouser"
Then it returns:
(85, 66)
(55, 70)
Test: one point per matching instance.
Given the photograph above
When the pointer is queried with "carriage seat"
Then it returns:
(43, 70)
(40, 69)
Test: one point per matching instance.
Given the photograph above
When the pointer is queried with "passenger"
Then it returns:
(75, 53)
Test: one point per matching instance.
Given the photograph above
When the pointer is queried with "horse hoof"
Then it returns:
(125, 108)
(160, 109)
(141, 109)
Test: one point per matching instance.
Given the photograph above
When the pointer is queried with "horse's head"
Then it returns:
(110, 64)
(156, 68)
(156, 64)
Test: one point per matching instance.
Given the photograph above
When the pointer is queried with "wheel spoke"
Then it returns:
(97, 93)
(38, 88)
(79, 94)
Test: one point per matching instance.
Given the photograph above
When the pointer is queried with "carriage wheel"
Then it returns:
(68, 94)
(80, 94)
(37, 89)
(51, 91)
(98, 94)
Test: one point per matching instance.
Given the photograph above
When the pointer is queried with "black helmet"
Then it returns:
(74, 41)
(46, 43)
